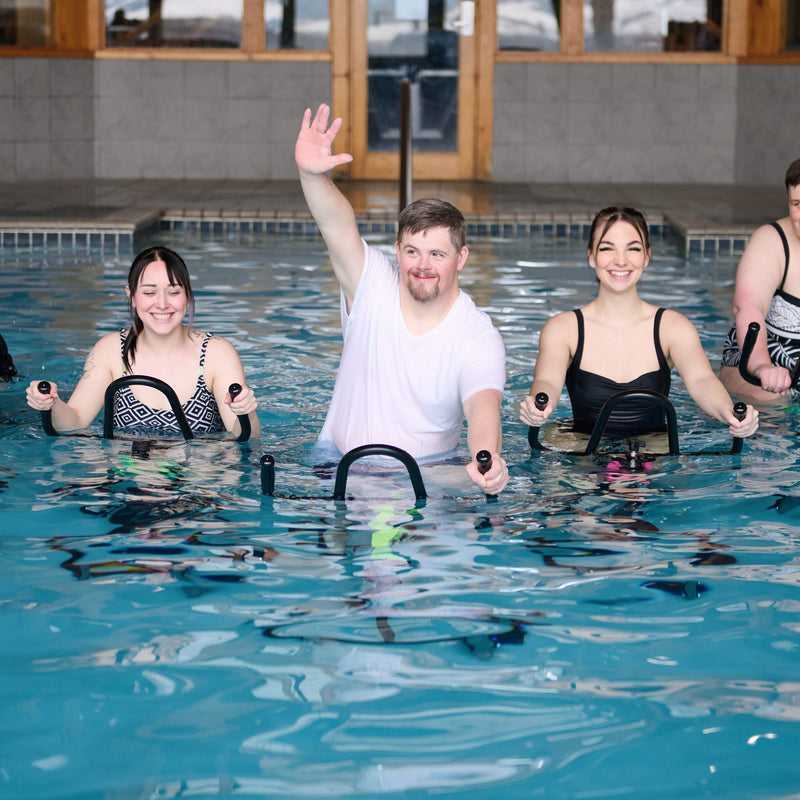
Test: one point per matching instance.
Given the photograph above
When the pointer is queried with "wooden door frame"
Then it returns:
(348, 18)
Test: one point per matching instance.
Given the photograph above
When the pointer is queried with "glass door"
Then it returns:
(429, 43)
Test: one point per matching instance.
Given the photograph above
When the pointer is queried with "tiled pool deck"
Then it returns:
(111, 213)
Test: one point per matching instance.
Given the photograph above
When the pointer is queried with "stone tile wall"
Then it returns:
(629, 123)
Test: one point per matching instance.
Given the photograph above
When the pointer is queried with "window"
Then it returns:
(297, 24)
(792, 27)
(654, 26)
(174, 23)
(529, 25)
(26, 23)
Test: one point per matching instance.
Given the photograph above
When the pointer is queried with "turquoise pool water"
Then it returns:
(170, 632)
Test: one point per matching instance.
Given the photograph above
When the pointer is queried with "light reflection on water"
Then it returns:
(596, 632)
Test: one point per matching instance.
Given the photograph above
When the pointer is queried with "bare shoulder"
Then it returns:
(561, 324)
(672, 319)
(766, 241)
(221, 354)
(676, 328)
(108, 348)
(219, 346)
(560, 334)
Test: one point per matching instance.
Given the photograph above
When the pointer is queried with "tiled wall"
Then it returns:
(767, 123)
(628, 123)
(46, 118)
(692, 123)
(202, 119)
(72, 118)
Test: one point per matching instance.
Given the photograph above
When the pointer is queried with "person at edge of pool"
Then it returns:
(198, 366)
(418, 356)
(767, 291)
(619, 342)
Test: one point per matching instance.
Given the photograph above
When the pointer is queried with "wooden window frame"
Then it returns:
(753, 32)
(79, 32)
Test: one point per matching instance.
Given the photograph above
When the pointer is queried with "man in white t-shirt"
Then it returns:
(418, 355)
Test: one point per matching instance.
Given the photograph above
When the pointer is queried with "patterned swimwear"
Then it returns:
(589, 391)
(201, 410)
(782, 324)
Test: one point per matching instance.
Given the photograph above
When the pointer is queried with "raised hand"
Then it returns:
(313, 151)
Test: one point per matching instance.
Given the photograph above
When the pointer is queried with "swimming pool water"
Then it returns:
(170, 632)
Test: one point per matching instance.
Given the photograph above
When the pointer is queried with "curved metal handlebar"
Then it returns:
(142, 380)
(340, 485)
(244, 419)
(747, 349)
(633, 394)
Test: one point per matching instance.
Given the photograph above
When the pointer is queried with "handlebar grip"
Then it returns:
(484, 459)
(244, 420)
(541, 400)
(740, 410)
(44, 387)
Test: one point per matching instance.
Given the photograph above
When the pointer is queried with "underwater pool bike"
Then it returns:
(634, 454)
(154, 383)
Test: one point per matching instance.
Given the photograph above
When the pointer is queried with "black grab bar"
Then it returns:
(747, 350)
(340, 484)
(634, 394)
(599, 428)
(142, 380)
(541, 400)
(155, 383)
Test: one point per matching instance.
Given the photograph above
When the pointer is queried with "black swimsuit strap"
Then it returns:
(785, 251)
(662, 359)
(576, 359)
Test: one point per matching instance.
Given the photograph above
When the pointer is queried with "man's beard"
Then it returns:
(423, 292)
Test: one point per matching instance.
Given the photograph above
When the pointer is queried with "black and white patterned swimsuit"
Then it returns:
(201, 410)
(782, 324)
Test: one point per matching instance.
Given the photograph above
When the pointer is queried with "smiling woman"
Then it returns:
(198, 366)
(618, 342)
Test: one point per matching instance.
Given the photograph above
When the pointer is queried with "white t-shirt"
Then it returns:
(400, 389)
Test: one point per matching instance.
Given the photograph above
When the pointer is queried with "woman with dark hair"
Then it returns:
(198, 366)
(768, 292)
(619, 342)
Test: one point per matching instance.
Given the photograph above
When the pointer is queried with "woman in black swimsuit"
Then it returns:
(198, 366)
(619, 342)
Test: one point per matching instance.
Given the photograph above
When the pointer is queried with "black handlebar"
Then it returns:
(47, 416)
(540, 401)
(244, 420)
(740, 412)
(747, 350)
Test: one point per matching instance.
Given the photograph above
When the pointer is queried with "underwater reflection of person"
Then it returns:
(198, 366)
